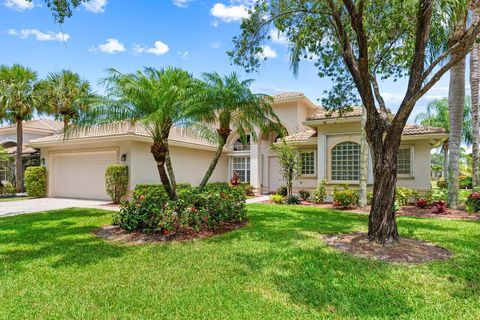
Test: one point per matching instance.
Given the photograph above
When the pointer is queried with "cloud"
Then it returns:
(95, 6)
(216, 45)
(278, 37)
(39, 35)
(159, 48)
(267, 52)
(111, 46)
(19, 5)
(184, 54)
(229, 13)
(181, 3)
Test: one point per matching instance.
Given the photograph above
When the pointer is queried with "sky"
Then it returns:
(128, 35)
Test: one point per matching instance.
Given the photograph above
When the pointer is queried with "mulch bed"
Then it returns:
(115, 233)
(407, 250)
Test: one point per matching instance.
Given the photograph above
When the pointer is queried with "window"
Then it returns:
(242, 166)
(307, 159)
(346, 161)
(404, 161)
(240, 146)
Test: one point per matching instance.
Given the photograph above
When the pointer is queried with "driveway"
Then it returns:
(11, 208)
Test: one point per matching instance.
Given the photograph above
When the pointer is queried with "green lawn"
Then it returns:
(52, 267)
(13, 199)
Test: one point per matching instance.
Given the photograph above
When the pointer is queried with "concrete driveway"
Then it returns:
(11, 208)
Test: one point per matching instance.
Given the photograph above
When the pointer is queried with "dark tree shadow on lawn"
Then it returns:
(62, 237)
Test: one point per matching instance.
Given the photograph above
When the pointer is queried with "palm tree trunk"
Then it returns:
(362, 188)
(19, 157)
(474, 87)
(171, 173)
(159, 152)
(445, 160)
(213, 164)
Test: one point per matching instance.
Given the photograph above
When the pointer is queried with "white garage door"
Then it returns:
(81, 175)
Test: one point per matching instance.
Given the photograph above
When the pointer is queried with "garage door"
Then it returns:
(80, 175)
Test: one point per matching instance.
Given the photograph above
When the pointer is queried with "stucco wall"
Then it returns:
(26, 137)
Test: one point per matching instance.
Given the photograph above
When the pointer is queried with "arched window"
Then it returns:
(345, 161)
(240, 146)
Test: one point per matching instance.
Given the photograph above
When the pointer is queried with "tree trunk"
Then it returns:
(445, 160)
(474, 87)
(223, 134)
(66, 121)
(171, 173)
(382, 225)
(456, 105)
(159, 152)
(19, 157)
(362, 187)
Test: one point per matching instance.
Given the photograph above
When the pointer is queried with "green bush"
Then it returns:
(304, 194)
(404, 196)
(36, 182)
(369, 197)
(293, 199)
(473, 202)
(150, 210)
(248, 188)
(442, 184)
(7, 189)
(320, 193)
(344, 197)
(277, 198)
(465, 182)
(282, 191)
(116, 181)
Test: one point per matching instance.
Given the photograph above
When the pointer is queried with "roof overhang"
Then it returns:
(316, 122)
(304, 99)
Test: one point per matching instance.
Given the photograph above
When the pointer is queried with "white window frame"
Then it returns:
(412, 172)
(245, 148)
(314, 174)
(330, 165)
(247, 164)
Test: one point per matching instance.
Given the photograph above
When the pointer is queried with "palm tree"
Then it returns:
(475, 87)
(157, 99)
(228, 103)
(17, 102)
(65, 95)
(437, 115)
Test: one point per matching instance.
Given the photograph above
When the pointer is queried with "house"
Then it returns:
(328, 145)
(33, 129)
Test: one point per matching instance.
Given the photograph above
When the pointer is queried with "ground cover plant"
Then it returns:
(53, 266)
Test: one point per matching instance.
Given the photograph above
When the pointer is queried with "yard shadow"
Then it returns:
(61, 237)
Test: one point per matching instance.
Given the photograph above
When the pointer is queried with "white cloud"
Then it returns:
(39, 35)
(111, 46)
(278, 37)
(95, 6)
(267, 52)
(184, 54)
(159, 48)
(229, 13)
(19, 5)
(216, 45)
(181, 3)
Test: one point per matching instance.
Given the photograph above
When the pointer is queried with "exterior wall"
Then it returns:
(26, 137)
(292, 114)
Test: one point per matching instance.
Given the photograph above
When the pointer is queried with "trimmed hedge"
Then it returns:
(116, 181)
(36, 182)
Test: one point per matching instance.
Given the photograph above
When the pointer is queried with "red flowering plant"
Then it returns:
(422, 203)
(473, 202)
(235, 180)
(440, 207)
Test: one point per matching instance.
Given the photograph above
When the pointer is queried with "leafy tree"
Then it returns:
(157, 99)
(65, 95)
(289, 161)
(437, 115)
(62, 9)
(227, 102)
(17, 104)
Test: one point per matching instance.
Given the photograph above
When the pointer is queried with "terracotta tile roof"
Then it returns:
(25, 150)
(301, 136)
(322, 113)
(122, 129)
(288, 95)
(41, 124)
(413, 129)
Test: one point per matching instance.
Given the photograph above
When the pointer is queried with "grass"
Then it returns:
(52, 266)
(14, 199)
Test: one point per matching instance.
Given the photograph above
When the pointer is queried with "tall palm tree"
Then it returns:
(65, 95)
(157, 99)
(18, 102)
(475, 87)
(437, 115)
(229, 104)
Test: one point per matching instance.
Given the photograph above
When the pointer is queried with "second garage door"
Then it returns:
(80, 175)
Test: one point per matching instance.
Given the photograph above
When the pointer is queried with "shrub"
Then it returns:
(151, 211)
(277, 198)
(473, 202)
(36, 182)
(344, 198)
(442, 184)
(440, 207)
(293, 199)
(320, 193)
(465, 182)
(116, 181)
(369, 197)
(248, 188)
(304, 194)
(7, 189)
(404, 195)
(282, 191)
(422, 203)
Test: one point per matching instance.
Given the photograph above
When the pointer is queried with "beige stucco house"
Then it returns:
(328, 145)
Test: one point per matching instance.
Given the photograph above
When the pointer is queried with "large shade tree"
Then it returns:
(156, 99)
(65, 96)
(229, 104)
(17, 104)
(356, 43)
(62, 9)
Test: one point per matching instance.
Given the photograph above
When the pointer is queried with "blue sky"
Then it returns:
(127, 35)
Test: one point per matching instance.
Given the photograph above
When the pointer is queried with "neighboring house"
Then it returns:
(33, 129)
(328, 145)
